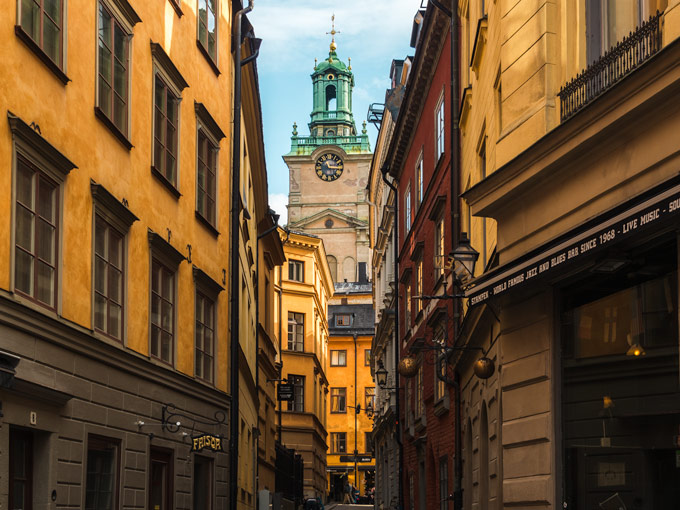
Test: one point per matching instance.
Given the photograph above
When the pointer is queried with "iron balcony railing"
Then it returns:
(619, 61)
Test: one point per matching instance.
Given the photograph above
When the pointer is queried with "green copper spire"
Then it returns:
(332, 120)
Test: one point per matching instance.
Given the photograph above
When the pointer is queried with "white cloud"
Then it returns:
(278, 202)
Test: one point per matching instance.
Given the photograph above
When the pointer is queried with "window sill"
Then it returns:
(338, 412)
(104, 336)
(441, 406)
(207, 56)
(203, 221)
(112, 127)
(419, 317)
(51, 65)
(170, 186)
(420, 424)
(160, 362)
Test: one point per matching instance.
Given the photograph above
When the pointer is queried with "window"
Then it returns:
(419, 181)
(296, 270)
(338, 442)
(338, 400)
(42, 22)
(481, 156)
(443, 484)
(439, 129)
(333, 266)
(439, 260)
(207, 28)
(208, 137)
(108, 279)
(407, 298)
(296, 332)
(367, 357)
(407, 209)
(165, 131)
(419, 285)
(368, 442)
(440, 366)
(369, 397)
(203, 468)
(298, 402)
(162, 311)
(205, 337)
(339, 358)
(342, 319)
(420, 403)
(101, 489)
(206, 178)
(36, 234)
(113, 65)
(20, 469)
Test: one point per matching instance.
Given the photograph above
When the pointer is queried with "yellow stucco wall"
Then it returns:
(65, 114)
(343, 377)
(306, 431)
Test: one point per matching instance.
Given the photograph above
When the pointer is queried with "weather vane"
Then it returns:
(332, 33)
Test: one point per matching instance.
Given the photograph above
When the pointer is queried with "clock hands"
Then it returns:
(334, 167)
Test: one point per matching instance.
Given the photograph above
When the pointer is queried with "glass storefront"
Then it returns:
(620, 382)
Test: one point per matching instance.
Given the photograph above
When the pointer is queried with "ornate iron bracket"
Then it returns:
(172, 419)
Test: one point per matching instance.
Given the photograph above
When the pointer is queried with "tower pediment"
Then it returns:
(320, 219)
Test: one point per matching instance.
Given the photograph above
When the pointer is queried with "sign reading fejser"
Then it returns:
(636, 219)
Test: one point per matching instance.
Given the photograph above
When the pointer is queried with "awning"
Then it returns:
(631, 219)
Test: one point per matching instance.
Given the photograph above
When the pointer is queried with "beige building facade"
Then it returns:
(569, 181)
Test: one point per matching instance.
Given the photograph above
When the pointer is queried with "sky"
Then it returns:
(293, 32)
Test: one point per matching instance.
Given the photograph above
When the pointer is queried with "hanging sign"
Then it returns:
(206, 442)
(285, 392)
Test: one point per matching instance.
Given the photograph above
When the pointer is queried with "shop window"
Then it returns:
(620, 396)
(298, 402)
(338, 442)
(296, 270)
(101, 487)
(339, 358)
(296, 332)
(203, 486)
(338, 400)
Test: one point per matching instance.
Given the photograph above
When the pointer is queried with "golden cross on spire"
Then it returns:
(332, 33)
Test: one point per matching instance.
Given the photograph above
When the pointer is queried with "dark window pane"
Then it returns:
(104, 97)
(30, 19)
(53, 9)
(51, 39)
(99, 312)
(24, 272)
(45, 283)
(45, 242)
(24, 228)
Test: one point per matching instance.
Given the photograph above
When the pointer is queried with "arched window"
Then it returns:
(331, 101)
(349, 270)
(483, 459)
(333, 266)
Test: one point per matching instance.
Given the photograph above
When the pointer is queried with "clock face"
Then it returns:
(329, 167)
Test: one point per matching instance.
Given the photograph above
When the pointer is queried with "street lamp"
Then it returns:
(464, 258)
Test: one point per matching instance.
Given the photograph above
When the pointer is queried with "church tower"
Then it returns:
(329, 171)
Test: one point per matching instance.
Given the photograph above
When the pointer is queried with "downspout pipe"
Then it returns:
(235, 275)
(395, 230)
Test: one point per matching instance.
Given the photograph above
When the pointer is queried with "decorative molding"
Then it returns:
(170, 69)
(127, 11)
(112, 208)
(465, 105)
(480, 44)
(206, 282)
(38, 144)
(208, 122)
(165, 250)
(437, 208)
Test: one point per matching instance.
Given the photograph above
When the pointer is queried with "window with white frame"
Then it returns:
(419, 182)
(407, 209)
(439, 129)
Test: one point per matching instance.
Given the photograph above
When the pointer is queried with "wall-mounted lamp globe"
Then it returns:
(408, 367)
(484, 367)
(465, 257)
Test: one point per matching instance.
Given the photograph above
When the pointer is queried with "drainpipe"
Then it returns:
(395, 229)
(235, 279)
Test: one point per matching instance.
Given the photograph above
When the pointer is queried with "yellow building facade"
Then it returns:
(352, 391)
(305, 286)
(116, 161)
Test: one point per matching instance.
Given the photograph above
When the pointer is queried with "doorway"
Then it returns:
(160, 480)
